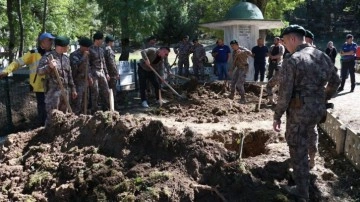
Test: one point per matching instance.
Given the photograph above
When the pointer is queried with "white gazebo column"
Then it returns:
(247, 36)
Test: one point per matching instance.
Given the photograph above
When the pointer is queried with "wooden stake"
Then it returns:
(208, 188)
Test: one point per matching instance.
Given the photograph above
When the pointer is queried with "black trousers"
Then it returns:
(348, 67)
(259, 68)
(272, 66)
(147, 76)
(40, 98)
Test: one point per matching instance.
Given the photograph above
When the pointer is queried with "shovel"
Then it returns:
(168, 85)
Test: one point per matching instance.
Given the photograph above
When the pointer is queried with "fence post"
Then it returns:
(133, 62)
(10, 125)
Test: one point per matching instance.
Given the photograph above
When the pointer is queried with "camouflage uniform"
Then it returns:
(98, 73)
(239, 70)
(53, 97)
(302, 95)
(111, 68)
(275, 80)
(79, 63)
(198, 59)
(183, 52)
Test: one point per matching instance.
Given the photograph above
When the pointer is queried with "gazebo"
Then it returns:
(242, 23)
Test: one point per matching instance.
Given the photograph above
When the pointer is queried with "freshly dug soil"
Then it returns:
(187, 150)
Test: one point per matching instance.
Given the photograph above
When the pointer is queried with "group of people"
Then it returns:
(62, 82)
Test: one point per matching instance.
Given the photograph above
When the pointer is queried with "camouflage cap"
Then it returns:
(62, 41)
(309, 34)
(293, 29)
(84, 41)
(109, 38)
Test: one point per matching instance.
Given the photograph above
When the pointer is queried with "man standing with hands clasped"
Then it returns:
(302, 95)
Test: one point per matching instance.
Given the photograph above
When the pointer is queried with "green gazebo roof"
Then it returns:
(244, 11)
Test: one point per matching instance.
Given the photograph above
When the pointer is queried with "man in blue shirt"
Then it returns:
(221, 54)
(347, 54)
(259, 53)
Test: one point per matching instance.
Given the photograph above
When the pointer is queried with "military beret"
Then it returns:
(98, 35)
(109, 38)
(309, 34)
(86, 42)
(186, 37)
(233, 42)
(62, 41)
(293, 29)
(151, 38)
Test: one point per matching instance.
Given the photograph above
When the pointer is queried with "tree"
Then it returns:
(21, 27)
(10, 16)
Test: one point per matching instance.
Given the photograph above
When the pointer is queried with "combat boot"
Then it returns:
(311, 161)
(242, 100)
(231, 96)
(271, 100)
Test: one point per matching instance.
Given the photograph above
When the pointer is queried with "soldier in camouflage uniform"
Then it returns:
(238, 70)
(79, 61)
(98, 74)
(61, 64)
(110, 64)
(198, 58)
(275, 80)
(183, 51)
(303, 96)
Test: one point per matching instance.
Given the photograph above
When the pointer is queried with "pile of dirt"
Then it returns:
(210, 104)
(112, 157)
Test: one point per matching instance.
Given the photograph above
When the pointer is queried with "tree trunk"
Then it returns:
(125, 50)
(9, 12)
(261, 4)
(19, 13)
(43, 29)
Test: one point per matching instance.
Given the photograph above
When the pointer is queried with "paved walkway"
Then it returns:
(347, 105)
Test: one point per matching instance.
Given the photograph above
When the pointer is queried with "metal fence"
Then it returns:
(17, 104)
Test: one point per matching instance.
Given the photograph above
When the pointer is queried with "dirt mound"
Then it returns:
(108, 157)
(210, 104)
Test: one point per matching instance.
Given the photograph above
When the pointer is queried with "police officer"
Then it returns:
(79, 61)
(238, 70)
(303, 96)
(32, 59)
(182, 49)
(52, 61)
(98, 74)
(110, 63)
(198, 58)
